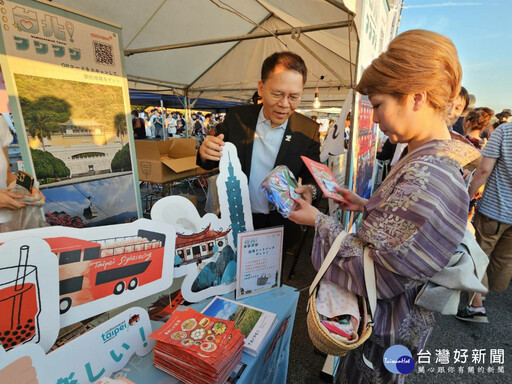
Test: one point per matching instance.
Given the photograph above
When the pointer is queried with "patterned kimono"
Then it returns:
(413, 223)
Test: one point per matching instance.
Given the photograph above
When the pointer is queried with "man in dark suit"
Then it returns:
(269, 135)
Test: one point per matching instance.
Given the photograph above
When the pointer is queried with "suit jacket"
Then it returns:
(239, 128)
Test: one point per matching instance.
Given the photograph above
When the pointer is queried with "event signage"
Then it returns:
(205, 250)
(48, 37)
(100, 268)
(29, 293)
(334, 144)
(259, 259)
(373, 19)
(64, 76)
(98, 353)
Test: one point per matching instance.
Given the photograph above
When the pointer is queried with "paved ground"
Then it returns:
(449, 333)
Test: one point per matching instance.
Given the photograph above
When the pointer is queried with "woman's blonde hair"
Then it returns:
(415, 61)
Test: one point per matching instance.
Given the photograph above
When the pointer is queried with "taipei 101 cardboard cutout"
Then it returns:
(205, 250)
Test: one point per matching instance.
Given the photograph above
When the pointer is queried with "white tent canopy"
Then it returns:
(230, 70)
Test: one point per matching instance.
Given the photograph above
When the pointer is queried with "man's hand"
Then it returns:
(211, 149)
(7, 200)
(304, 213)
(306, 192)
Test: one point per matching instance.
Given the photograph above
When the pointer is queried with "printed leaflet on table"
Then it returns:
(196, 348)
(259, 261)
(255, 324)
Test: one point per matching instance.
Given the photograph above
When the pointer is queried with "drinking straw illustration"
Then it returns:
(22, 264)
(21, 272)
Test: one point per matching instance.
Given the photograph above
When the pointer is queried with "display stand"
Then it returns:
(271, 364)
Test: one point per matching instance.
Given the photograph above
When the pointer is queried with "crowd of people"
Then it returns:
(174, 124)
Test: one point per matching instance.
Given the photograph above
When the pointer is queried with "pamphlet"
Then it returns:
(196, 348)
(259, 256)
(255, 324)
(324, 178)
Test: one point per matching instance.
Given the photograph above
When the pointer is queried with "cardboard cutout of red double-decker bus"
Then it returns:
(90, 270)
(102, 268)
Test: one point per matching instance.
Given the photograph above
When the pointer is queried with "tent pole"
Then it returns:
(187, 112)
(164, 119)
(296, 37)
(251, 36)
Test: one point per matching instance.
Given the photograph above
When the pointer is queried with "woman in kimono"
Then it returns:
(416, 219)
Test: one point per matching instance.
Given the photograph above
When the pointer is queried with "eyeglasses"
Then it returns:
(292, 99)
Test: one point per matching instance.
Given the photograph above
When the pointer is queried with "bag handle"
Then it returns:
(369, 280)
(335, 247)
(368, 266)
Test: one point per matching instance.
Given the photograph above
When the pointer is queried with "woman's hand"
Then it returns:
(353, 202)
(7, 200)
(37, 194)
(304, 213)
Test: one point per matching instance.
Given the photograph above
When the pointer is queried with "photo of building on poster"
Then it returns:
(80, 149)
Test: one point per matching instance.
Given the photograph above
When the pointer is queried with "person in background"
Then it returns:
(139, 126)
(256, 99)
(8, 202)
(158, 123)
(386, 154)
(172, 124)
(268, 135)
(456, 110)
(416, 219)
(493, 219)
(500, 118)
(474, 123)
(209, 125)
(152, 118)
(147, 125)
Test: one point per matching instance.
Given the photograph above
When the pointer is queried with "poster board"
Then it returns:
(103, 268)
(373, 17)
(64, 75)
(259, 260)
(29, 294)
(98, 353)
(205, 250)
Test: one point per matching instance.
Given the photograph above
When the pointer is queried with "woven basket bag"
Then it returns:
(326, 341)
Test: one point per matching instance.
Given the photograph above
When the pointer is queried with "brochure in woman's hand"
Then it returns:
(324, 178)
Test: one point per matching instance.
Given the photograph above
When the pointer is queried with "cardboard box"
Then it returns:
(192, 198)
(166, 161)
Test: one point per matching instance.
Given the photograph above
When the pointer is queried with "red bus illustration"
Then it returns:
(90, 270)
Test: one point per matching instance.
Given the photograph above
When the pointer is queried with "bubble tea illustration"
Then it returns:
(19, 302)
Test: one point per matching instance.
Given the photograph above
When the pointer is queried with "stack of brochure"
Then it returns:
(198, 349)
(255, 324)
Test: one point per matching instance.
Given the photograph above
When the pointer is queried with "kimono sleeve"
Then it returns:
(411, 233)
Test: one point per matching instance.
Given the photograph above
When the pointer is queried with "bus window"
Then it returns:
(91, 253)
(70, 256)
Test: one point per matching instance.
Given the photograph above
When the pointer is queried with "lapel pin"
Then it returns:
(288, 138)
